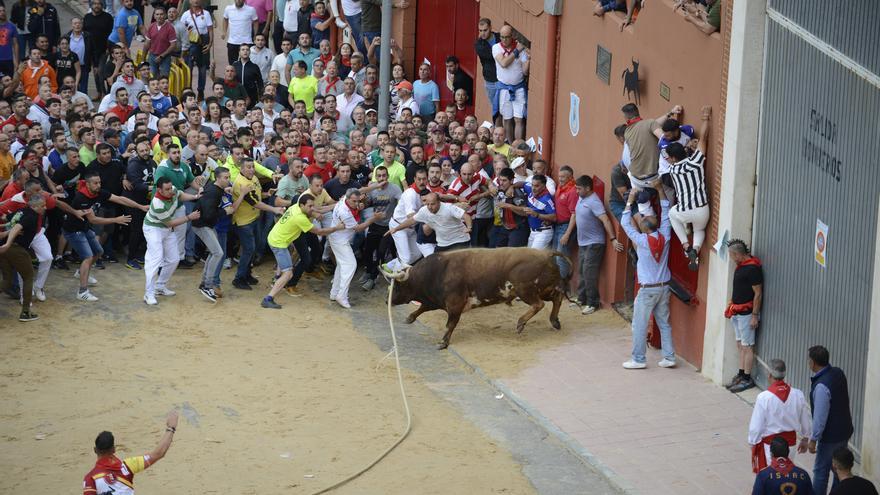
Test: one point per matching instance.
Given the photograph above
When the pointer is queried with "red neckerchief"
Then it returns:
(782, 465)
(632, 121)
(230, 84)
(81, 187)
(325, 58)
(656, 244)
(439, 189)
(511, 48)
(346, 61)
(751, 261)
(415, 188)
(331, 83)
(163, 198)
(780, 389)
(127, 80)
(316, 15)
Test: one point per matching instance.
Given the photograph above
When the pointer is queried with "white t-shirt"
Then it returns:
(342, 214)
(263, 58)
(513, 73)
(239, 123)
(279, 63)
(446, 223)
(240, 23)
(291, 21)
(351, 7)
(412, 104)
(409, 202)
(201, 21)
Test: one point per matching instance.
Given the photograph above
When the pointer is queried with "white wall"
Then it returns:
(871, 417)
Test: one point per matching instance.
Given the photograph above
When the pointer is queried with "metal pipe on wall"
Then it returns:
(550, 83)
(385, 65)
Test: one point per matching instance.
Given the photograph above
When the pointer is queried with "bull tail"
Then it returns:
(567, 280)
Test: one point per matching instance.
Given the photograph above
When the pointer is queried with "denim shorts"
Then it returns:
(282, 258)
(745, 334)
(84, 243)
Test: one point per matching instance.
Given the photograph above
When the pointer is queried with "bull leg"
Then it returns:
(415, 314)
(451, 322)
(554, 311)
(535, 306)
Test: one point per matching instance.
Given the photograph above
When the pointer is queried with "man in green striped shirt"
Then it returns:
(160, 224)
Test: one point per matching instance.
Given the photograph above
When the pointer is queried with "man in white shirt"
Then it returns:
(780, 411)
(346, 103)
(347, 212)
(405, 92)
(240, 22)
(408, 250)
(511, 66)
(198, 20)
(262, 55)
(451, 223)
(279, 63)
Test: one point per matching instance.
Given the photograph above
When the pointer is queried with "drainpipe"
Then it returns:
(553, 8)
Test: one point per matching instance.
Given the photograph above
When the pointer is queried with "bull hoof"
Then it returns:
(442, 345)
(555, 324)
(409, 320)
(520, 327)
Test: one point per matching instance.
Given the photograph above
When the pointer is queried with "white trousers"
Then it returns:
(408, 250)
(162, 253)
(541, 239)
(43, 250)
(698, 218)
(346, 265)
(179, 233)
(325, 223)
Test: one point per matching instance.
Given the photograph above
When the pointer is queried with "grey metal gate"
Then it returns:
(819, 153)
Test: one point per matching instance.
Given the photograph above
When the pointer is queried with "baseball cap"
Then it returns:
(404, 85)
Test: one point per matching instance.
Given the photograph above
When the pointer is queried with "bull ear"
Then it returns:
(403, 275)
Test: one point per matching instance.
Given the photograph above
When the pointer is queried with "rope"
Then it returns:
(405, 405)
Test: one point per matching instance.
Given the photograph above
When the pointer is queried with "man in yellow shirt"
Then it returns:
(245, 221)
(7, 161)
(295, 222)
(498, 146)
(302, 86)
(396, 170)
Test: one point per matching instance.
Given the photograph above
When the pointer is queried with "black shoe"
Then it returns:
(110, 258)
(270, 303)
(736, 379)
(693, 259)
(99, 264)
(28, 316)
(250, 279)
(256, 260)
(186, 263)
(60, 264)
(743, 385)
(241, 284)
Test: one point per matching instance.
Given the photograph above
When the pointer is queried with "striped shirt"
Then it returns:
(689, 179)
(162, 210)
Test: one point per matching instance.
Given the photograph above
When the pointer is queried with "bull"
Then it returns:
(458, 281)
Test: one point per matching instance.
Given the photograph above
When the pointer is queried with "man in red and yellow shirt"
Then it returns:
(114, 475)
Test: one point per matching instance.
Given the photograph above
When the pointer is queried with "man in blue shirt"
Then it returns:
(652, 245)
(303, 51)
(541, 211)
(426, 93)
(126, 24)
(782, 477)
(832, 419)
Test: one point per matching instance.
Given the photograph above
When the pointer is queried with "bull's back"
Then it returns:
(484, 271)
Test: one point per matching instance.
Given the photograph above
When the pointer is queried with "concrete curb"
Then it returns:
(570, 443)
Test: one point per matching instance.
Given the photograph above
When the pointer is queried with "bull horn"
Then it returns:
(403, 275)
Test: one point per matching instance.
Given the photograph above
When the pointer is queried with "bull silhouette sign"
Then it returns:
(631, 83)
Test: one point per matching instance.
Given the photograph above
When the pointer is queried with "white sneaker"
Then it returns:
(150, 300)
(86, 296)
(588, 310)
(227, 264)
(165, 291)
(666, 363)
(332, 296)
(92, 280)
(40, 294)
(632, 365)
(344, 303)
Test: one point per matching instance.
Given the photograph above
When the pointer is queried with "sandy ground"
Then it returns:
(266, 397)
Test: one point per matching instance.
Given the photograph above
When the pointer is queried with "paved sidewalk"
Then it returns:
(655, 431)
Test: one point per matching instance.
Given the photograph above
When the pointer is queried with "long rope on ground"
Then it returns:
(405, 405)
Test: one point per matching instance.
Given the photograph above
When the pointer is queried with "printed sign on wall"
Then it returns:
(574, 115)
(821, 243)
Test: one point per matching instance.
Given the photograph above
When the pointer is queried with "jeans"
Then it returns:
(266, 221)
(158, 68)
(189, 246)
(651, 300)
(232, 52)
(247, 237)
(518, 237)
(277, 35)
(558, 231)
(355, 22)
(84, 243)
(822, 465)
(492, 94)
(376, 246)
(209, 236)
(480, 232)
(84, 81)
(202, 60)
(221, 240)
(589, 264)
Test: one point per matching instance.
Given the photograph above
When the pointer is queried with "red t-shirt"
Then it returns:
(566, 201)
(327, 172)
(113, 475)
(161, 38)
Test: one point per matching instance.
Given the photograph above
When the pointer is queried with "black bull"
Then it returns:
(457, 281)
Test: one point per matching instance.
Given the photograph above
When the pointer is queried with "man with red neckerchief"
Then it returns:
(322, 166)
(114, 475)
(782, 477)
(744, 310)
(780, 411)
(331, 84)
